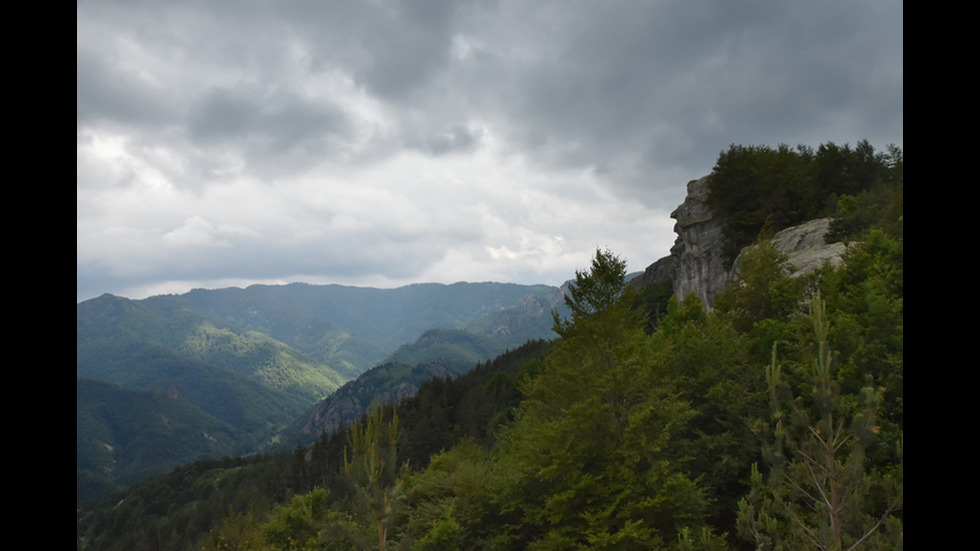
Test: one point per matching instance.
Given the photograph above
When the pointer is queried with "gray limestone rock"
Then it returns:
(696, 263)
(805, 248)
(699, 245)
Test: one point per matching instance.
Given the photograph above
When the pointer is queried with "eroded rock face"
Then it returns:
(696, 263)
(332, 413)
(658, 272)
(700, 266)
(328, 416)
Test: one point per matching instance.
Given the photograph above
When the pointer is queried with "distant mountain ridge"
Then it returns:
(436, 353)
(257, 359)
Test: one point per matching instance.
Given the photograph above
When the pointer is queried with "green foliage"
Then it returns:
(237, 532)
(842, 170)
(445, 535)
(880, 207)
(306, 523)
(873, 208)
(271, 363)
(682, 313)
(594, 292)
(447, 501)
(374, 470)
(455, 349)
(587, 462)
(608, 437)
(820, 492)
(209, 382)
(120, 341)
(653, 300)
(761, 290)
(866, 302)
(355, 326)
(755, 186)
(472, 406)
(710, 367)
(758, 186)
(182, 507)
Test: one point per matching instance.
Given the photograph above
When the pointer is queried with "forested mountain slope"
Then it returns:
(338, 324)
(259, 358)
(774, 419)
(128, 435)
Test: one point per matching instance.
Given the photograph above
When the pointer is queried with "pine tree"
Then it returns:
(820, 492)
(372, 467)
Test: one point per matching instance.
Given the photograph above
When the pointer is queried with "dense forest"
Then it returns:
(774, 420)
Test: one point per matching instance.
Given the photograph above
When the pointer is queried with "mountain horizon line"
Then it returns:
(78, 300)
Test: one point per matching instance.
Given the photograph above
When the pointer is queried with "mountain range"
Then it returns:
(170, 379)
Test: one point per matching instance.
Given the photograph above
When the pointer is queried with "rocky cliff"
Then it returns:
(699, 245)
(696, 263)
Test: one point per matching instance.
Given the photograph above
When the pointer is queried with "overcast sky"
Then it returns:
(378, 143)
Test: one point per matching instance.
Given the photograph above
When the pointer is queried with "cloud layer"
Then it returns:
(381, 143)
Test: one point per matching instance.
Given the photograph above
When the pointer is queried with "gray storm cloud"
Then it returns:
(391, 142)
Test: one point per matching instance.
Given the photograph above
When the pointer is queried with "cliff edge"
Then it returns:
(696, 263)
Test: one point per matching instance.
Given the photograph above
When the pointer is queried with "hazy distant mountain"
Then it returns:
(164, 345)
(436, 353)
(258, 359)
(357, 327)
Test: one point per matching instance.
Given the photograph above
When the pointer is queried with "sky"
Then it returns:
(380, 143)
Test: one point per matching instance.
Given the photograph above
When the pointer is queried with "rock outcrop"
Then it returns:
(805, 248)
(660, 271)
(696, 263)
(699, 245)
(334, 411)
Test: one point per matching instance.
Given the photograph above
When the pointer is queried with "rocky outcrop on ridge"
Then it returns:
(699, 246)
(696, 263)
(805, 248)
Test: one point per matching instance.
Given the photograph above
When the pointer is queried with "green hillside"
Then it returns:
(125, 435)
(358, 325)
(258, 359)
(244, 378)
